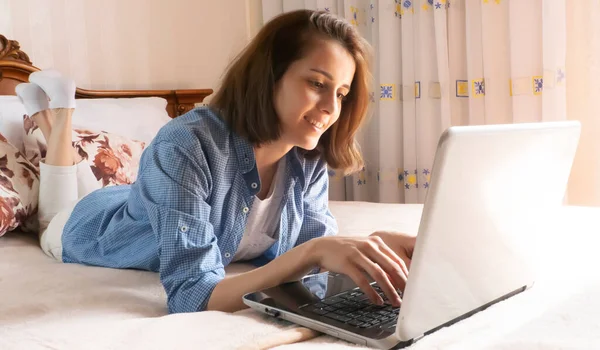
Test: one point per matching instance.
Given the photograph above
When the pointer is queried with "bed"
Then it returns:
(49, 305)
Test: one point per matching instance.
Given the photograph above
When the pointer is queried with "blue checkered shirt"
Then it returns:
(185, 215)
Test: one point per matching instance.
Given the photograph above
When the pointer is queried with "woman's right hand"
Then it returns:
(354, 256)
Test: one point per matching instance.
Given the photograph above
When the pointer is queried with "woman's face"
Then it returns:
(309, 96)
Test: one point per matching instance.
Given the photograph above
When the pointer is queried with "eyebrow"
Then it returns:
(328, 76)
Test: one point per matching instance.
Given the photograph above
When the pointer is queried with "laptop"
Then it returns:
(491, 188)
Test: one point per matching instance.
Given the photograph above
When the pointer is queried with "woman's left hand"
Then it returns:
(401, 243)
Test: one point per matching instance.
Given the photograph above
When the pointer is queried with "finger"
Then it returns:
(395, 258)
(360, 280)
(407, 262)
(390, 268)
(385, 257)
(399, 291)
(377, 273)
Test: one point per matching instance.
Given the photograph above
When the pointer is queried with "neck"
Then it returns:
(268, 155)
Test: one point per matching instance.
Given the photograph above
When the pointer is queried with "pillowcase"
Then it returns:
(135, 118)
(11, 120)
(138, 118)
(19, 188)
(114, 159)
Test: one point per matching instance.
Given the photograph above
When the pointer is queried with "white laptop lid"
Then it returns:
(491, 187)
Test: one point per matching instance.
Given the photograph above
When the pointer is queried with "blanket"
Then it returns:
(45, 304)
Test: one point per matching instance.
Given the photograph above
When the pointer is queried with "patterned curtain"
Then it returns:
(440, 63)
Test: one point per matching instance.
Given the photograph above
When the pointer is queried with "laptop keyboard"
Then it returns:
(355, 309)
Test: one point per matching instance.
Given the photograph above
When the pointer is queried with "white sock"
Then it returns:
(33, 98)
(61, 90)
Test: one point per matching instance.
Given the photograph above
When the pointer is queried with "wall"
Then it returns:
(154, 44)
(132, 44)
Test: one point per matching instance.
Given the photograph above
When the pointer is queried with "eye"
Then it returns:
(317, 84)
(342, 97)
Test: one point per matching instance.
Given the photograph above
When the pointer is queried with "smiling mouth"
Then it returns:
(314, 123)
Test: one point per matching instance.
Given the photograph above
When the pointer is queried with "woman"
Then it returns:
(243, 180)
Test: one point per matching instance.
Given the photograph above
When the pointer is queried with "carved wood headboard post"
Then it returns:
(186, 99)
(10, 49)
(15, 67)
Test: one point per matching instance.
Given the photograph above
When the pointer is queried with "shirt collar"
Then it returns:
(295, 165)
(246, 160)
(244, 152)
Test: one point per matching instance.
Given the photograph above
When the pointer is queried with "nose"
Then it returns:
(328, 104)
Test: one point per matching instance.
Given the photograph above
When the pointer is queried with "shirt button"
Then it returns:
(183, 228)
(227, 255)
(245, 210)
(254, 185)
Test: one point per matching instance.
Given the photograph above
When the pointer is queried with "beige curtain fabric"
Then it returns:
(583, 97)
(468, 62)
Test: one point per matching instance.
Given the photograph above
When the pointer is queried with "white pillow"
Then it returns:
(11, 120)
(138, 118)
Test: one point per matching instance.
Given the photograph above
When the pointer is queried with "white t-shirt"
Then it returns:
(262, 227)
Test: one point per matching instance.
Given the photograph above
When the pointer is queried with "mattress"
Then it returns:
(45, 304)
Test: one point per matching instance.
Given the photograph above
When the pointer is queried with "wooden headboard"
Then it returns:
(15, 67)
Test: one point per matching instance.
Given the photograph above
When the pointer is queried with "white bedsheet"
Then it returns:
(49, 305)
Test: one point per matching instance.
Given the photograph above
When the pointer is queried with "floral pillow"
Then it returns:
(114, 159)
(19, 187)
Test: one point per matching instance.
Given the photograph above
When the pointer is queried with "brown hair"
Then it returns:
(245, 98)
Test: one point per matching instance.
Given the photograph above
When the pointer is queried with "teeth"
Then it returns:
(315, 123)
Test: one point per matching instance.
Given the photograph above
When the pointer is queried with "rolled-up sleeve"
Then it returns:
(174, 187)
(318, 220)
